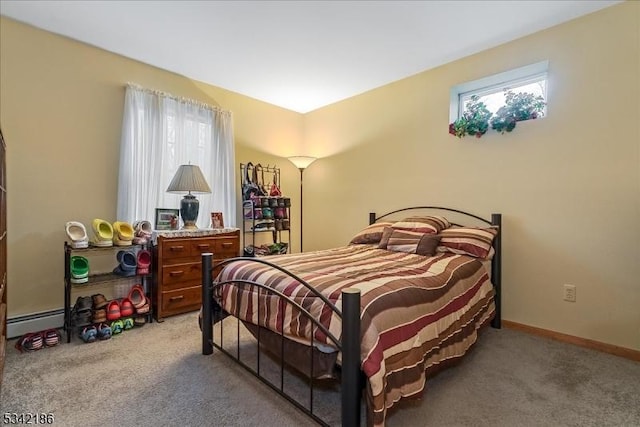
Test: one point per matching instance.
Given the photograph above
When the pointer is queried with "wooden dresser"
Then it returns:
(177, 273)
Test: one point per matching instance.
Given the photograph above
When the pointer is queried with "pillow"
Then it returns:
(370, 234)
(472, 241)
(418, 227)
(438, 222)
(412, 242)
(384, 241)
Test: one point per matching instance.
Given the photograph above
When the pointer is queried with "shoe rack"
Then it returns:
(265, 215)
(98, 278)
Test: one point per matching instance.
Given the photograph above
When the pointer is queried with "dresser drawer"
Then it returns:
(175, 273)
(199, 247)
(227, 247)
(181, 300)
(176, 248)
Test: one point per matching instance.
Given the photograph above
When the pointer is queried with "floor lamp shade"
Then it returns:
(189, 179)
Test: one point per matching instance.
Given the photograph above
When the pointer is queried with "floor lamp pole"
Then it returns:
(301, 162)
(301, 170)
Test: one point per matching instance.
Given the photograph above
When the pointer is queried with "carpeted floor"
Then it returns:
(156, 376)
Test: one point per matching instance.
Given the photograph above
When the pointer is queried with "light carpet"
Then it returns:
(157, 376)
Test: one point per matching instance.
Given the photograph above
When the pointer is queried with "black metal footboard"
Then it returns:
(348, 344)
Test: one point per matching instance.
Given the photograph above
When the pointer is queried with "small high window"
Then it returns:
(489, 96)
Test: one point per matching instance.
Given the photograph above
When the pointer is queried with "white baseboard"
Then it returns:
(20, 325)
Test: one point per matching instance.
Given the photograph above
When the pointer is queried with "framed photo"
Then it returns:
(216, 220)
(167, 219)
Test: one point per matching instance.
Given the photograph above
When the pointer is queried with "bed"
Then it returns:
(403, 299)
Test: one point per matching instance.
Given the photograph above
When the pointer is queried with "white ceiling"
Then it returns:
(300, 55)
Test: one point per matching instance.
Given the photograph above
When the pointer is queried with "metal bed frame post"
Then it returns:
(207, 290)
(350, 384)
(496, 270)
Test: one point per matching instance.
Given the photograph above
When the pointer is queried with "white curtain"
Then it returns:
(160, 132)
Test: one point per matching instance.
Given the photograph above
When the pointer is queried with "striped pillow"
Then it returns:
(370, 234)
(418, 227)
(412, 242)
(438, 222)
(472, 241)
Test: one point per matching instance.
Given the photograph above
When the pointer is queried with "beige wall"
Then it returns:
(61, 105)
(568, 185)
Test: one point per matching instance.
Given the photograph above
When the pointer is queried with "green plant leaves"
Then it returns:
(476, 118)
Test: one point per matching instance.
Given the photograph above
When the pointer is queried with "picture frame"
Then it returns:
(217, 220)
(167, 219)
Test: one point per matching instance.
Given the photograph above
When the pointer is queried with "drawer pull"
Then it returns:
(203, 246)
(176, 248)
(176, 273)
(178, 298)
(227, 244)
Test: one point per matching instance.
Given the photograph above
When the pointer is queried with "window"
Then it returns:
(491, 90)
(160, 132)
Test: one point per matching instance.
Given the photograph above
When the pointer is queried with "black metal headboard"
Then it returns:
(496, 261)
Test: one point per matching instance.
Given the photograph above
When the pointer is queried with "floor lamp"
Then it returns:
(301, 162)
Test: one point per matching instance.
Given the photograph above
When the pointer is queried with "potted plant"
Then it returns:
(518, 107)
(474, 120)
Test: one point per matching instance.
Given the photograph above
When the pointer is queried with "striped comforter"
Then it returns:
(416, 312)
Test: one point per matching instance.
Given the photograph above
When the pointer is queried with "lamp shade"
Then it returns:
(302, 162)
(188, 178)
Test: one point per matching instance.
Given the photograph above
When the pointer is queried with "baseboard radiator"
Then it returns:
(20, 325)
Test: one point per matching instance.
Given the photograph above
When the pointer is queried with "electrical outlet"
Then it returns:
(570, 293)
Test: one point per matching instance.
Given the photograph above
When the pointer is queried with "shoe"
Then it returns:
(144, 261)
(89, 334)
(128, 263)
(99, 301)
(127, 259)
(126, 308)
(51, 337)
(143, 232)
(83, 304)
(116, 327)
(80, 320)
(128, 323)
(77, 234)
(99, 316)
(104, 331)
(79, 266)
(123, 233)
(144, 308)
(103, 233)
(30, 342)
(113, 310)
(137, 297)
(139, 321)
